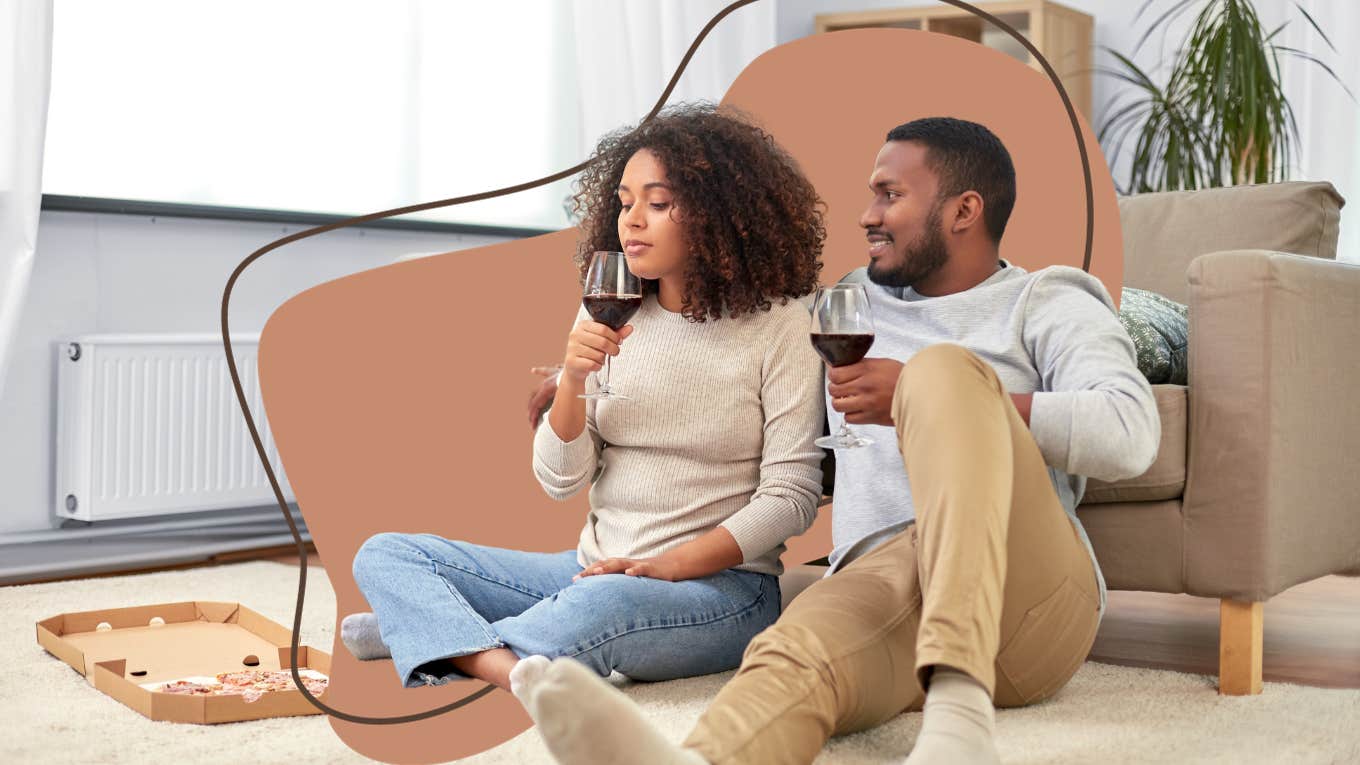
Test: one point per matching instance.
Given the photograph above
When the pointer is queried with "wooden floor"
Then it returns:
(1312, 631)
(291, 558)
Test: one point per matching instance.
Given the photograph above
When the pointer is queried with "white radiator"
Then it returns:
(150, 425)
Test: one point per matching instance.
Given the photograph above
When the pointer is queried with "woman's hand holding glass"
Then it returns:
(589, 343)
(612, 293)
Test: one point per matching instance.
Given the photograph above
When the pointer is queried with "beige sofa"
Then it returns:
(1256, 487)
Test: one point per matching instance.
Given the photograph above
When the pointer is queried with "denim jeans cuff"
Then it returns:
(414, 678)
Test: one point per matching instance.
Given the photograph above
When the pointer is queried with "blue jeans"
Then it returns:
(436, 598)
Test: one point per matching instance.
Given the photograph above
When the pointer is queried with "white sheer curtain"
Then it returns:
(25, 79)
(1329, 120)
(626, 52)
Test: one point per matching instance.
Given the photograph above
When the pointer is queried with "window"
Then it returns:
(332, 107)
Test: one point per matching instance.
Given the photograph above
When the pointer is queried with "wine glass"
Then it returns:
(842, 331)
(612, 294)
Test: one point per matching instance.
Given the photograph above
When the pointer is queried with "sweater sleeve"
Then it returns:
(1094, 414)
(784, 503)
(565, 467)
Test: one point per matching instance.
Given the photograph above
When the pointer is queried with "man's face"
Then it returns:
(904, 223)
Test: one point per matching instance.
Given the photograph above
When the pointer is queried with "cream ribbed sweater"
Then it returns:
(718, 432)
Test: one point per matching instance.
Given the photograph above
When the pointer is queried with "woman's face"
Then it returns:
(649, 227)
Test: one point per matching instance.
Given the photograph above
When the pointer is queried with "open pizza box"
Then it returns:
(128, 652)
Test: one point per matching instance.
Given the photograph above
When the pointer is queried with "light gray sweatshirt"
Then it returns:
(1054, 333)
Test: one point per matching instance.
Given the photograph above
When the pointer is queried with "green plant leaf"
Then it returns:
(1165, 19)
(1315, 26)
(1139, 77)
(1222, 115)
(1142, 9)
(1310, 57)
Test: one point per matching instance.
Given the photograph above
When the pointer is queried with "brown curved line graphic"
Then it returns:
(660, 102)
(1071, 115)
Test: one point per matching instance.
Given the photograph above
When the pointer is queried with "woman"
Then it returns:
(696, 481)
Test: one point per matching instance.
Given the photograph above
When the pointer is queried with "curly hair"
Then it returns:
(751, 219)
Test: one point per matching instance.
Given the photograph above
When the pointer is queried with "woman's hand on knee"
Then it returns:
(653, 568)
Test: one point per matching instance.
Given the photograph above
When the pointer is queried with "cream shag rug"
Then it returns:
(1107, 714)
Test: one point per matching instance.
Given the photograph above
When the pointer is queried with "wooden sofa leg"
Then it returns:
(1240, 647)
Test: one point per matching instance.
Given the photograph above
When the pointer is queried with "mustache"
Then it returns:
(868, 232)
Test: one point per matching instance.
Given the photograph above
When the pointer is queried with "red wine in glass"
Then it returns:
(613, 311)
(840, 349)
(842, 332)
(612, 294)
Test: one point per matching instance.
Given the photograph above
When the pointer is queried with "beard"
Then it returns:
(923, 256)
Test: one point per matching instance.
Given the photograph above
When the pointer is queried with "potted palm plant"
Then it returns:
(1222, 117)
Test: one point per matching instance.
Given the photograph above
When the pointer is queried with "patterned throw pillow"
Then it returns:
(1159, 328)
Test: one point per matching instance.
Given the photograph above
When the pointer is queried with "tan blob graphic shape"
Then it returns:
(395, 395)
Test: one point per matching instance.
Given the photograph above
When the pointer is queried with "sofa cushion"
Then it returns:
(1164, 231)
(1159, 329)
(1166, 478)
(1139, 545)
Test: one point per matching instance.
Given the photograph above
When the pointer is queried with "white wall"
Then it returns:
(117, 273)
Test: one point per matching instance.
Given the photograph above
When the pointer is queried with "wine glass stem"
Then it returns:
(604, 382)
(845, 434)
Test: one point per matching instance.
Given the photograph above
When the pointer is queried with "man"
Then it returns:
(960, 578)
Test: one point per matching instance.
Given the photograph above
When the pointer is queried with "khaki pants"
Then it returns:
(992, 580)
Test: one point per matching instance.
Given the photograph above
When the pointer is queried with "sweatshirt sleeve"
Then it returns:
(784, 503)
(1094, 414)
(565, 467)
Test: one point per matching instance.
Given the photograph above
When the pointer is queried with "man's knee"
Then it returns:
(935, 371)
(938, 362)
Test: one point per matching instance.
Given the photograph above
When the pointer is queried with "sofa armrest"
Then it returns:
(1272, 493)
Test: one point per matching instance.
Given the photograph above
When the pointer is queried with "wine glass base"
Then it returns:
(605, 396)
(842, 442)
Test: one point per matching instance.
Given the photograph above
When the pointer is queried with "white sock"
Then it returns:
(359, 633)
(586, 721)
(959, 722)
(524, 676)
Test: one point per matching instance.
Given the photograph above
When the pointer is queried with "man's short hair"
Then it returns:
(967, 156)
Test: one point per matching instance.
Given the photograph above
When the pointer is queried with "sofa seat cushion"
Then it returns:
(1166, 478)
(1140, 545)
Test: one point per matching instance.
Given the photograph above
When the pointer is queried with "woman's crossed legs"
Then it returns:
(448, 609)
